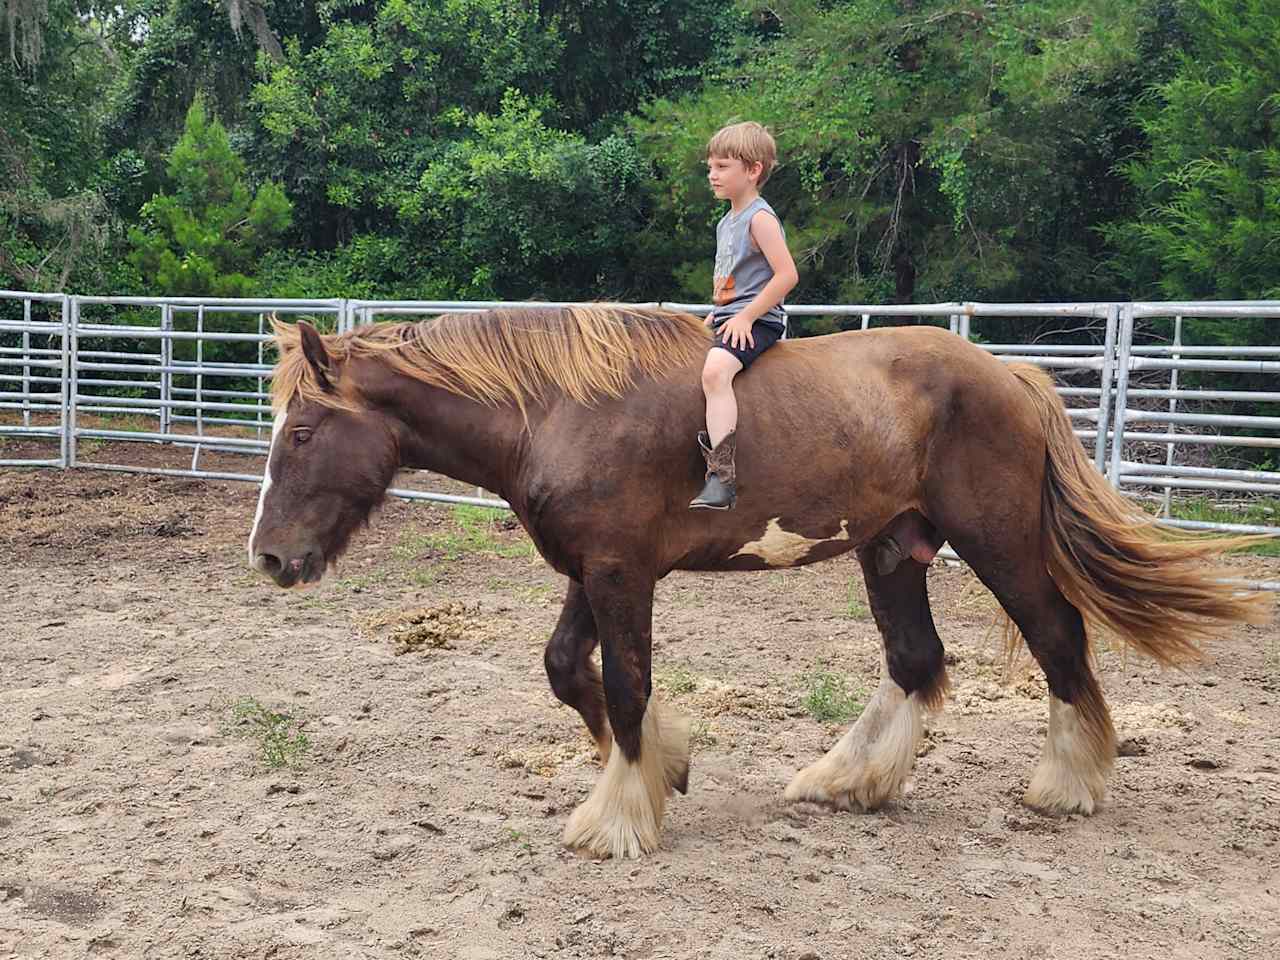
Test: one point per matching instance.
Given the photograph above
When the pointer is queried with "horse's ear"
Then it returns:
(313, 349)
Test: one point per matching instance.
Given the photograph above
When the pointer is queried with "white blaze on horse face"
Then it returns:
(782, 548)
(266, 479)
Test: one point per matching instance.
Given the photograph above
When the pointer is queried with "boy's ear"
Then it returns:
(317, 356)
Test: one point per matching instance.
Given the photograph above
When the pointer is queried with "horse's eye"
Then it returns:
(301, 434)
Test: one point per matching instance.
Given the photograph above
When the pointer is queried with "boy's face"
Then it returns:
(730, 177)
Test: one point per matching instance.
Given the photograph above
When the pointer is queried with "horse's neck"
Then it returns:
(460, 438)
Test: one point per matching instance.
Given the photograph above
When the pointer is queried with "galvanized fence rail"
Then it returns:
(193, 373)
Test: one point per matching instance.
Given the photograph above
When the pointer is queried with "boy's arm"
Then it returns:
(767, 234)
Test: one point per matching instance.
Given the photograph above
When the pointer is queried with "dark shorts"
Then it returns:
(764, 334)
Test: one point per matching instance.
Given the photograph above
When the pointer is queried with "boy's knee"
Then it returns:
(716, 376)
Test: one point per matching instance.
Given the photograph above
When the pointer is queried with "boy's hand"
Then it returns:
(737, 333)
(706, 321)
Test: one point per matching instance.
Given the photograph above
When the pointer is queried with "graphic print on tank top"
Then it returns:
(723, 284)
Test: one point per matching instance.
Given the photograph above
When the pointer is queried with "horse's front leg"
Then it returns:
(650, 756)
(574, 677)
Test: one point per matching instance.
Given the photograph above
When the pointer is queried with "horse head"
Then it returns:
(333, 456)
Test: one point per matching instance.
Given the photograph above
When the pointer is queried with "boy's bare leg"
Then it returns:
(720, 440)
(717, 383)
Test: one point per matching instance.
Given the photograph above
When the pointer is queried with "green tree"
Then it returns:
(520, 209)
(55, 224)
(930, 150)
(1208, 220)
(205, 236)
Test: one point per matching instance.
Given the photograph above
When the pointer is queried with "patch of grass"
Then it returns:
(425, 576)
(1264, 512)
(829, 699)
(279, 735)
(476, 530)
(412, 544)
(855, 608)
(677, 680)
(535, 592)
(363, 581)
(527, 592)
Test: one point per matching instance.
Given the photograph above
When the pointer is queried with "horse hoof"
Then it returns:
(815, 785)
(1052, 793)
(603, 834)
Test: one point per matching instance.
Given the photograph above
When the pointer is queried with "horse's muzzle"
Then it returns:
(287, 573)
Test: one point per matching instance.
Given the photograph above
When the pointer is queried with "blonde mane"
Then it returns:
(503, 357)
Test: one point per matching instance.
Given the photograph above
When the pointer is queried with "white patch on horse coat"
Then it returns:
(266, 480)
(782, 548)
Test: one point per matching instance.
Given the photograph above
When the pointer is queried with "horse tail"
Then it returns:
(1151, 586)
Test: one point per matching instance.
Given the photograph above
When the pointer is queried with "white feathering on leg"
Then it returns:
(872, 759)
(623, 816)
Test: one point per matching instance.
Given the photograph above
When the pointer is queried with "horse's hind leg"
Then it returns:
(573, 675)
(1080, 746)
(875, 756)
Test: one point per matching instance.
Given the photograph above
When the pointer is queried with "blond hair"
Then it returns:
(748, 142)
(509, 356)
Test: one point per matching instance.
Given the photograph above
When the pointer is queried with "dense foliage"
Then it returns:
(931, 149)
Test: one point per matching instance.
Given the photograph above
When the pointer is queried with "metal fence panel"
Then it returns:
(191, 376)
(34, 358)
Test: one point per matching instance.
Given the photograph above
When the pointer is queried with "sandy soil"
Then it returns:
(140, 817)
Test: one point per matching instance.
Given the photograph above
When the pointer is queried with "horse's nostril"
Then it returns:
(269, 564)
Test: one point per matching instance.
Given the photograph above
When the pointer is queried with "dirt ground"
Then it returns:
(148, 681)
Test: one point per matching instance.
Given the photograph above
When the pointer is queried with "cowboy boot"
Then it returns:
(718, 492)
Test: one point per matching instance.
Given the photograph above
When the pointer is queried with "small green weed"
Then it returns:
(700, 734)
(363, 581)
(412, 544)
(425, 576)
(677, 680)
(829, 699)
(519, 839)
(282, 741)
(855, 607)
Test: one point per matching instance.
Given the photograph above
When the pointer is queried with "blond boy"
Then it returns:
(753, 272)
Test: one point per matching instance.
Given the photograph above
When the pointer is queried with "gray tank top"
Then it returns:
(741, 270)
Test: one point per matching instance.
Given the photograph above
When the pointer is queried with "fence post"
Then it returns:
(261, 383)
(64, 447)
(1173, 408)
(26, 357)
(1125, 346)
(166, 367)
(73, 387)
(195, 454)
(1104, 393)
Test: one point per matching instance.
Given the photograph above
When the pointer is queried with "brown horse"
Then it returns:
(884, 442)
